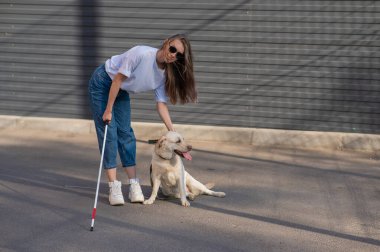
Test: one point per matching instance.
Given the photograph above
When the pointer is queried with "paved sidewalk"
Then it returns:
(277, 199)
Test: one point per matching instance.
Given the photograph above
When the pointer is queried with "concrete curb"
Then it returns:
(250, 136)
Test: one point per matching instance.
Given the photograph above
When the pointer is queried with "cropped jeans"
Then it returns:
(120, 136)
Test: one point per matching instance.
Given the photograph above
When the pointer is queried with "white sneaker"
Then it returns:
(115, 196)
(135, 193)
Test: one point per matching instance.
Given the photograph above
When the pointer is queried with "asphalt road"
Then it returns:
(277, 199)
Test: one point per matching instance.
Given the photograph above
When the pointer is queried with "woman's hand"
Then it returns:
(107, 117)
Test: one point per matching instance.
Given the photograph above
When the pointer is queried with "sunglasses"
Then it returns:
(178, 55)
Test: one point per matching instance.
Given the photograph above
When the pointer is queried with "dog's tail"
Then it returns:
(209, 185)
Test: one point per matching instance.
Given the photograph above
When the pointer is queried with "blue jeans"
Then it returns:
(120, 136)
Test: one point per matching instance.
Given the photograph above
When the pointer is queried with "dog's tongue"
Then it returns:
(187, 155)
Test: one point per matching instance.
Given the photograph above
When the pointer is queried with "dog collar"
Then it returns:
(164, 158)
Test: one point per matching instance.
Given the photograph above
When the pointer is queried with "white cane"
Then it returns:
(99, 175)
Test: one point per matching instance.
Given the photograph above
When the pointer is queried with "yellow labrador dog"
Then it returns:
(167, 171)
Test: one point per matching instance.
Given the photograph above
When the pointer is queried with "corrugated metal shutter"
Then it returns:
(307, 65)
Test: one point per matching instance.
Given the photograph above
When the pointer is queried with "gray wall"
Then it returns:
(307, 65)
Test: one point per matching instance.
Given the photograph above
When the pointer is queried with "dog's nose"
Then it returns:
(189, 147)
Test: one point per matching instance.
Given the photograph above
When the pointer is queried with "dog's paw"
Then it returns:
(185, 203)
(148, 202)
(220, 194)
(191, 196)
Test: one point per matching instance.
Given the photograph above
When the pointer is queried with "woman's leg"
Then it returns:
(111, 174)
(127, 144)
(126, 138)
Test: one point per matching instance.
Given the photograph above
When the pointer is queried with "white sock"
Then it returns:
(133, 181)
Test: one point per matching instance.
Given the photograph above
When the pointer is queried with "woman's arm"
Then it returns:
(114, 90)
(163, 111)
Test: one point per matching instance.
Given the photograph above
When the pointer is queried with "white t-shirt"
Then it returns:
(140, 66)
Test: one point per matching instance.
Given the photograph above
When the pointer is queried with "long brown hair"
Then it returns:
(180, 83)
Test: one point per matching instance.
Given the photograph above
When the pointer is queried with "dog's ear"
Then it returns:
(162, 149)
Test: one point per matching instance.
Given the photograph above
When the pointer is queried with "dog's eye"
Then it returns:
(179, 140)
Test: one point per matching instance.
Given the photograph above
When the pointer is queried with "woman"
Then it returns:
(167, 71)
